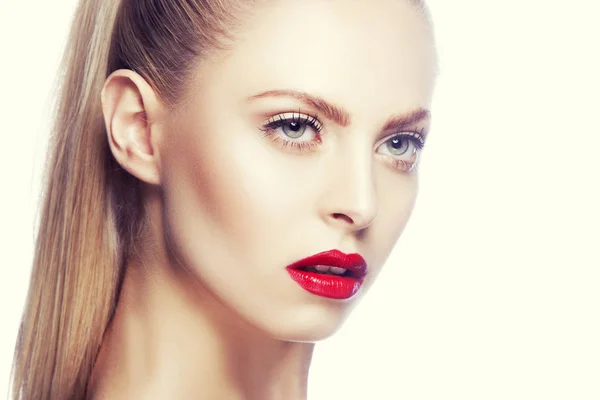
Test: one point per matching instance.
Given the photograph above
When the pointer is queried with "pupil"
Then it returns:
(396, 143)
(294, 126)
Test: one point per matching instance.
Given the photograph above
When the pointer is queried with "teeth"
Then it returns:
(322, 268)
(337, 271)
(326, 269)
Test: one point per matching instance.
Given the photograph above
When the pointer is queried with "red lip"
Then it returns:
(327, 285)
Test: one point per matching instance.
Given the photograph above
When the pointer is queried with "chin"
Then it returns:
(310, 324)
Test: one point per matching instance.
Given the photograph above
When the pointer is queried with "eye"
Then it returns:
(295, 132)
(293, 129)
(402, 149)
(294, 126)
(403, 145)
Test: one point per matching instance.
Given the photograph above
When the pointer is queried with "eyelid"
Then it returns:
(417, 140)
(307, 118)
(417, 136)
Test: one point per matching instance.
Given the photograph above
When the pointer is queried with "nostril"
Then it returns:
(343, 217)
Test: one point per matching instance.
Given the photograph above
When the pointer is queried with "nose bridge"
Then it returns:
(351, 198)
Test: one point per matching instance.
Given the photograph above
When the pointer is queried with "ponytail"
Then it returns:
(78, 255)
(91, 209)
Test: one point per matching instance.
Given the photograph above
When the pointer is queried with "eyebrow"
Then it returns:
(329, 110)
(342, 117)
(400, 122)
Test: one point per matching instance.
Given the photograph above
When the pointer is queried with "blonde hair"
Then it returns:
(91, 209)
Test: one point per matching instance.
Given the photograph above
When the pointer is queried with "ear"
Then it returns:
(131, 109)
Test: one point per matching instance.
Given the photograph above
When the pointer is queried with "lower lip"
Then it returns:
(330, 286)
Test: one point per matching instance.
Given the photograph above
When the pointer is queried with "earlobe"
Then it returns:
(129, 106)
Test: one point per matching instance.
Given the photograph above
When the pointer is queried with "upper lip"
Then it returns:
(335, 258)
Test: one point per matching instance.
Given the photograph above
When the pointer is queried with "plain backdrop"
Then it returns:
(493, 291)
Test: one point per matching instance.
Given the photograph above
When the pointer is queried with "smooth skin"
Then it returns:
(207, 309)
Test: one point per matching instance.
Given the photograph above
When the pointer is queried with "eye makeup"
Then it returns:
(401, 151)
(300, 132)
(294, 118)
(289, 131)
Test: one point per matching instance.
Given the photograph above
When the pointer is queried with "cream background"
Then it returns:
(493, 292)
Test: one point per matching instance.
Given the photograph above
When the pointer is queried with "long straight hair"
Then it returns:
(91, 209)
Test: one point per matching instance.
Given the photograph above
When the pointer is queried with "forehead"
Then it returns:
(373, 56)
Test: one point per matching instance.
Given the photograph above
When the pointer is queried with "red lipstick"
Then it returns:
(330, 274)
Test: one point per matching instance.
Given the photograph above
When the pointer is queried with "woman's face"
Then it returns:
(302, 139)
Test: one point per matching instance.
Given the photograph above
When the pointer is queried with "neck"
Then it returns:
(171, 338)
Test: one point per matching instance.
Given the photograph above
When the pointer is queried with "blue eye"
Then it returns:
(294, 126)
(403, 146)
(402, 150)
(293, 129)
(398, 146)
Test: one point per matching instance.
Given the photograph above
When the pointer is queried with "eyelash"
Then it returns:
(279, 121)
(297, 117)
(416, 138)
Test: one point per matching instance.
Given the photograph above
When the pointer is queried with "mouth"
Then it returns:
(332, 274)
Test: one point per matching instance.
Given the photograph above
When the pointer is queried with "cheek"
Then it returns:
(225, 186)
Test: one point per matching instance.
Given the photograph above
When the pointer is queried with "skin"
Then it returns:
(207, 309)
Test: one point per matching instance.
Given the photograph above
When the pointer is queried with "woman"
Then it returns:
(225, 181)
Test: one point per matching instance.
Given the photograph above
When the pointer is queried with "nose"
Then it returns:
(350, 199)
